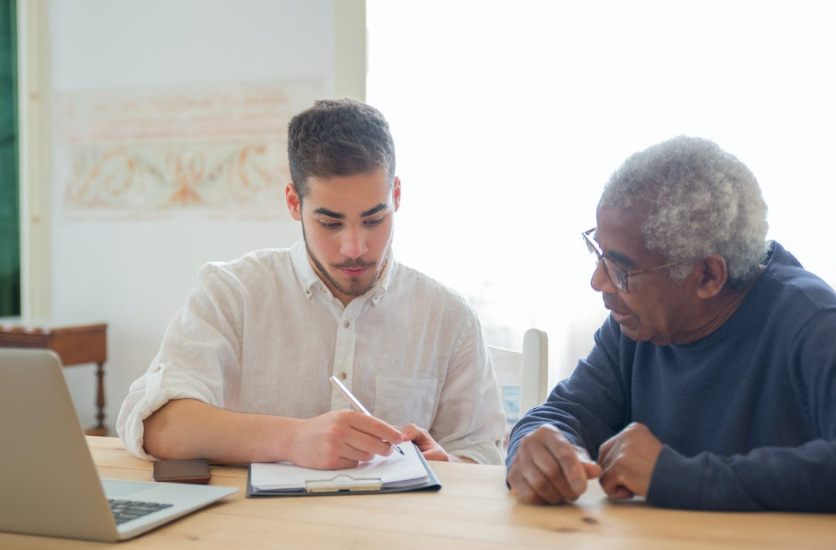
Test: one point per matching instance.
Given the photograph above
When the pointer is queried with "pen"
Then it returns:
(355, 403)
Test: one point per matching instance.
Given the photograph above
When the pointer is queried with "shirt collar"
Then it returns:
(308, 279)
(385, 279)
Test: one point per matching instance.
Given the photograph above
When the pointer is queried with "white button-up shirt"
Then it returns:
(263, 334)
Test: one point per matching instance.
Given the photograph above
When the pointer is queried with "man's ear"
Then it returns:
(714, 276)
(396, 193)
(294, 203)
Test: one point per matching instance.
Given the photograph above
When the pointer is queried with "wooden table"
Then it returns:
(473, 510)
(75, 344)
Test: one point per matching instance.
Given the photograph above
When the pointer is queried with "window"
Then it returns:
(510, 116)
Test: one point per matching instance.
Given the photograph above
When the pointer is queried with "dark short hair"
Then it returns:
(338, 137)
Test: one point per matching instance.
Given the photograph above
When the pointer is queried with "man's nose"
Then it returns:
(601, 279)
(353, 244)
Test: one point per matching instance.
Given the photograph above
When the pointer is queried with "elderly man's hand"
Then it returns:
(627, 460)
(548, 469)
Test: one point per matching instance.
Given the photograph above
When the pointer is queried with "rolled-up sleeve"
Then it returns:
(145, 396)
(199, 359)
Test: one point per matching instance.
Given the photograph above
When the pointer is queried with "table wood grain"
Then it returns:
(473, 510)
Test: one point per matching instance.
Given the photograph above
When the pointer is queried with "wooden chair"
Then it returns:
(522, 375)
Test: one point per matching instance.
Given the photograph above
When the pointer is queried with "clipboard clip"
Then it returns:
(343, 484)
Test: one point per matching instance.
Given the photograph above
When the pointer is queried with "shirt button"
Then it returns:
(345, 324)
(342, 376)
(157, 368)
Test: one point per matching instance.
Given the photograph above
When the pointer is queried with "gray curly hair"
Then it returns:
(702, 201)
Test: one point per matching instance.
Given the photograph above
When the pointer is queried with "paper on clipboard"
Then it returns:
(381, 473)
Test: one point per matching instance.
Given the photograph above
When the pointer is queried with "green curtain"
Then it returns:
(9, 188)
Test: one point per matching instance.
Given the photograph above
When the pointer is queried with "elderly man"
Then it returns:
(711, 385)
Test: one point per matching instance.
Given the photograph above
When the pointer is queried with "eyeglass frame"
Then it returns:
(621, 274)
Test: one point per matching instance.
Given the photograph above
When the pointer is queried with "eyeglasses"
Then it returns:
(617, 275)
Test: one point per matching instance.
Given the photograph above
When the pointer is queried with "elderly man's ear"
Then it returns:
(715, 274)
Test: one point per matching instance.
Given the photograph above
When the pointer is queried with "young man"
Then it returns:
(711, 384)
(242, 373)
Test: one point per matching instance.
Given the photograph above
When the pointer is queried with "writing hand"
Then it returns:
(627, 460)
(548, 469)
(341, 439)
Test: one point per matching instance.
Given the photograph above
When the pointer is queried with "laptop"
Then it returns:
(49, 482)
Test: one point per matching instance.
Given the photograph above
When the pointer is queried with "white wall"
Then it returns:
(135, 274)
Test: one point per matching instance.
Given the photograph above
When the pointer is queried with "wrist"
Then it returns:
(277, 437)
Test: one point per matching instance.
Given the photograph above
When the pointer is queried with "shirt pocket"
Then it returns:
(400, 401)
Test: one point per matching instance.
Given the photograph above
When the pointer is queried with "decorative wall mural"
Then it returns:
(216, 150)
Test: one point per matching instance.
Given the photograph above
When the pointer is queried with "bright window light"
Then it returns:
(509, 117)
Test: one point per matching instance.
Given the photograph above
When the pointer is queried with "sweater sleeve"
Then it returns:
(797, 479)
(801, 477)
(588, 407)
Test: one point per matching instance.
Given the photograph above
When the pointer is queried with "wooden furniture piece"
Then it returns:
(473, 510)
(75, 344)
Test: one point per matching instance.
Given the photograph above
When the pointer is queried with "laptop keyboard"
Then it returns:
(126, 510)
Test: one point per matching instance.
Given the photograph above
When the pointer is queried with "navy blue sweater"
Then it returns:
(747, 415)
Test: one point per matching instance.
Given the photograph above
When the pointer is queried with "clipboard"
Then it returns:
(393, 474)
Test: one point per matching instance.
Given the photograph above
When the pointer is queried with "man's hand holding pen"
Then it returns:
(342, 439)
(421, 437)
(356, 403)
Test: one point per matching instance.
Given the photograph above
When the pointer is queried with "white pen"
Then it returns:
(356, 403)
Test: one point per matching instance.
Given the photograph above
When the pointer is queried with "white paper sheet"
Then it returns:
(394, 470)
